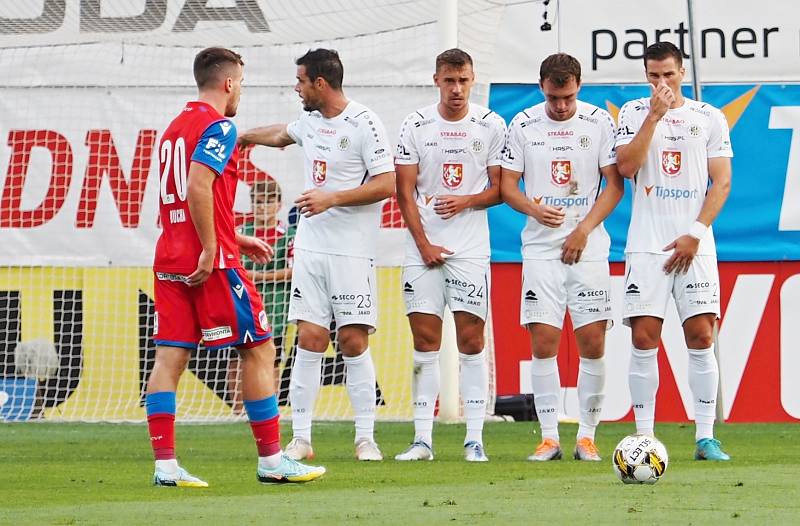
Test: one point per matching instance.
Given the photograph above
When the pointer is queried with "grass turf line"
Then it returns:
(100, 474)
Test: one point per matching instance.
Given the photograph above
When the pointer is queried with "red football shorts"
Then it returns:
(225, 311)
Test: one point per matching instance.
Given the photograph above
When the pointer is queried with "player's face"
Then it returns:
(235, 92)
(265, 210)
(666, 72)
(307, 90)
(454, 85)
(561, 102)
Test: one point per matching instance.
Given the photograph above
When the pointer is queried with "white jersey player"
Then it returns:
(562, 148)
(348, 170)
(448, 172)
(671, 147)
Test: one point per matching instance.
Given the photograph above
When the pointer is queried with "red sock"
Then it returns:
(162, 435)
(268, 436)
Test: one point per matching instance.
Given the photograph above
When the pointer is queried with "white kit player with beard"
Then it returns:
(563, 148)
(448, 170)
(672, 147)
(348, 171)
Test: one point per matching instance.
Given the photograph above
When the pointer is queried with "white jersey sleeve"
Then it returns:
(630, 120)
(498, 140)
(375, 146)
(608, 146)
(407, 152)
(719, 139)
(513, 156)
(295, 130)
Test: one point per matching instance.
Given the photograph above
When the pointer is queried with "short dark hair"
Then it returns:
(268, 188)
(323, 63)
(559, 68)
(454, 58)
(662, 51)
(212, 62)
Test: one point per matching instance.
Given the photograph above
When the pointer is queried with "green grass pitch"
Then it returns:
(101, 474)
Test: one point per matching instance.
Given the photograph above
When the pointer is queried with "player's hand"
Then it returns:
(661, 99)
(434, 255)
(313, 202)
(574, 245)
(549, 216)
(684, 249)
(449, 205)
(205, 264)
(256, 249)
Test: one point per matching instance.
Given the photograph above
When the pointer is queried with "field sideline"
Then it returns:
(100, 474)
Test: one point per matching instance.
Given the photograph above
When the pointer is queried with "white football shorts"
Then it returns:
(549, 287)
(647, 287)
(461, 284)
(326, 286)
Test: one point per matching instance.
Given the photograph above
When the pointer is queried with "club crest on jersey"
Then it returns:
(344, 143)
(319, 172)
(560, 172)
(477, 145)
(584, 142)
(452, 175)
(671, 163)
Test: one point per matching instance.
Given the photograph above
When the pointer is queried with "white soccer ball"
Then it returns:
(640, 459)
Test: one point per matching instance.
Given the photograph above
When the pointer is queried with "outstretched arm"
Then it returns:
(274, 135)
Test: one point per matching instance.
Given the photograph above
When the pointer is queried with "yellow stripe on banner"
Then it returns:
(109, 380)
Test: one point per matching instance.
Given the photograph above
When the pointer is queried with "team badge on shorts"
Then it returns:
(452, 175)
(671, 163)
(560, 172)
(319, 172)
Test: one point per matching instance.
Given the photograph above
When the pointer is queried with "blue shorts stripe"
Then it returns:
(244, 311)
(170, 343)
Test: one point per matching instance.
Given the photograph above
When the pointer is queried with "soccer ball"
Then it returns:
(640, 459)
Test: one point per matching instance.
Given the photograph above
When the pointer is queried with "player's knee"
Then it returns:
(699, 340)
(427, 341)
(470, 343)
(352, 341)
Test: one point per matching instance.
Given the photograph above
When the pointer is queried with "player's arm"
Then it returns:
(275, 135)
(200, 199)
(316, 201)
(685, 247)
(513, 196)
(256, 249)
(631, 156)
(608, 199)
(449, 205)
(272, 276)
(432, 255)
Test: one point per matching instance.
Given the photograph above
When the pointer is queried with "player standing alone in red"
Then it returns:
(201, 290)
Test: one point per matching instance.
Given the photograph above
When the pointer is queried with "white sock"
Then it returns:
(169, 466)
(546, 390)
(704, 380)
(271, 461)
(361, 388)
(303, 389)
(474, 382)
(643, 383)
(425, 390)
(591, 379)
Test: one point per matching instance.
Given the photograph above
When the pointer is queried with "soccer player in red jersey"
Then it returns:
(201, 290)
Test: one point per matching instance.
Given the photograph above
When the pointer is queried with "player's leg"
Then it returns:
(355, 309)
(309, 307)
(543, 306)
(473, 380)
(647, 291)
(591, 382)
(588, 285)
(697, 297)
(261, 404)
(467, 294)
(176, 334)
(423, 292)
